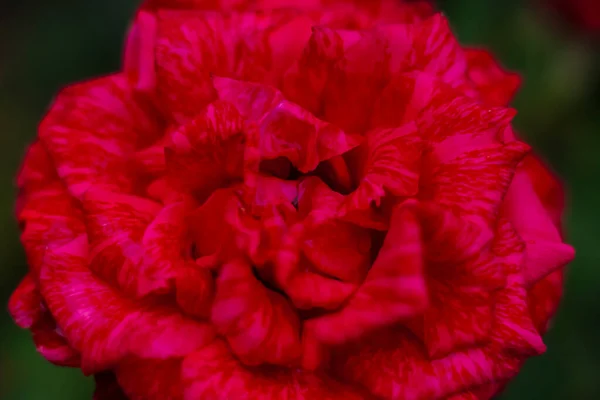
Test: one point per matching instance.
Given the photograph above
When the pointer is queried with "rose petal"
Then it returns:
(393, 289)
(391, 166)
(192, 47)
(104, 325)
(304, 83)
(25, 303)
(392, 364)
(194, 290)
(259, 324)
(208, 152)
(52, 345)
(214, 373)
(457, 318)
(91, 131)
(116, 225)
(48, 218)
(544, 299)
(27, 309)
(547, 187)
(496, 86)
(545, 250)
(474, 183)
(285, 129)
(354, 83)
(207, 224)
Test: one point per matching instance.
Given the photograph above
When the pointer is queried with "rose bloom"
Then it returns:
(289, 200)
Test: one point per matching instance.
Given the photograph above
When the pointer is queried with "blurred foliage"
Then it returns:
(45, 45)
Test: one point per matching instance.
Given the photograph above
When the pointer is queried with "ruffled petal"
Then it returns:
(139, 57)
(186, 51)
(495, 86)
(393, 290)
(473, 183)
(285, 129)
(213, 373)
(115, 226)
(428, 46)
(25, 303)
(91, 131)
(208, 152)
(357, 79)
(544, 299)
(392, 364)
(48, 217)
(545, 250)
(103, 324)
(321, 258)
(547, 186)
(457, 318)
(305, 82)
(334, 247)
(29, 312)
(354, 82)
(391, 160)
(195, 289)
(251, 46)
(259, 324)
(51, 343)
(36, 171)
(462, 275)
(208, 227)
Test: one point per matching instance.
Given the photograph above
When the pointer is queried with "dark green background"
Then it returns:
(47, 44)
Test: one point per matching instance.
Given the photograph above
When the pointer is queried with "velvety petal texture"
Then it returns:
(284, 199)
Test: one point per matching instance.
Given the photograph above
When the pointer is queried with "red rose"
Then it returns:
(293, 199)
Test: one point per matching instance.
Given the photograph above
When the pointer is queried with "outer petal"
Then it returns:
(27, 309)
(474, 183)
(545, 250)
(36, 171)
(357, 79)
(544, 299)
(92, 130)
(496, 86)
(213, 374)
(429, 46)
(462, 276)
(51, 343)
(547, 186)
(104, 325)
(115, 225)
(44, 210)
(25, 303)
(392, 364)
